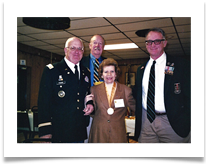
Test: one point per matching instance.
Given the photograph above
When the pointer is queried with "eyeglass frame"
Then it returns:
(149, 42)
(99, 43)
(76, 48)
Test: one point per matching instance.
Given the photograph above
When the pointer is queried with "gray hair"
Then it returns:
(70, 39)
(100, 36)
(156, 30)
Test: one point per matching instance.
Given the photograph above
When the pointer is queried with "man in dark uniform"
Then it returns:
(61, 100)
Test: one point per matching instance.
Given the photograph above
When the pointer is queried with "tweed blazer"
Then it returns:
(110, 128)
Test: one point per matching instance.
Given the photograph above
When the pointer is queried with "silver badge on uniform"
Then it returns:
(61, 94)
(177, 87)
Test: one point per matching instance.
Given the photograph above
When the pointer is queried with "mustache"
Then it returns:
(97, 48)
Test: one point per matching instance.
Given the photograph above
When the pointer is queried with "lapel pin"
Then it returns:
(177, 87)
(60, 78)
(86, 79)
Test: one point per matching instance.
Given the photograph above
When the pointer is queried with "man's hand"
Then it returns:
(89, 109)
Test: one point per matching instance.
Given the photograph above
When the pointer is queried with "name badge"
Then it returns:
(119, 103)
(61, 83)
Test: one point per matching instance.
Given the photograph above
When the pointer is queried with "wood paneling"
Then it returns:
(131, 64)
(35, 59)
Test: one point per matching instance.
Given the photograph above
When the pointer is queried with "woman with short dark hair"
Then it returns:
(111, 100)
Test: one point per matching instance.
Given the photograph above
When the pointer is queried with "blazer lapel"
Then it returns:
(103, 96)
(63, 67)
(117, 95)
(167, 76)
(82, 75)
(87, 62)
(140, 77)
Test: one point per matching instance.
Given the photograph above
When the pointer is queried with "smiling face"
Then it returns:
(109, 74)
(96, 46)
(74, 50)
(155, 50)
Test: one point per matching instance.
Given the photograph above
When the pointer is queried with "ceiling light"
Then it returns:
(120, 46)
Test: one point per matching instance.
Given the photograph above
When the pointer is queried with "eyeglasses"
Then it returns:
(74, 48)
(99, 43)
(156, 42)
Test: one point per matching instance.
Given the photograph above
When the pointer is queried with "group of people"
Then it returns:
(80, 99)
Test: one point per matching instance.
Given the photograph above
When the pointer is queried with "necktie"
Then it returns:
(76, 72)
(96, 76)
(151, 94)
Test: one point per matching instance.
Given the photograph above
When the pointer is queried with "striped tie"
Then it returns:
(96, 76)
(151, 95)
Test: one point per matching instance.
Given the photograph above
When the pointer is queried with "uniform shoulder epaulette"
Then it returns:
(50, 66)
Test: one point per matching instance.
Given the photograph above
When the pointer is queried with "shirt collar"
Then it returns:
(159, 60)
(93, 58)
(70, 64)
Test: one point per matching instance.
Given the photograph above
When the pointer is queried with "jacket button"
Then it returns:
(108, 121)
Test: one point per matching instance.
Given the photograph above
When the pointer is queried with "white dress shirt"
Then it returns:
(71, 66)
(159, 83)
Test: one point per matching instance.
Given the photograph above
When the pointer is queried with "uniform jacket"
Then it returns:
(61, 103)
(177, 96)
(110, 128)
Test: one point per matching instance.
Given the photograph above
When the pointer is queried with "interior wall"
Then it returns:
(127, 66)
(35, 59)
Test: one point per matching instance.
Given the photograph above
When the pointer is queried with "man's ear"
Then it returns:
(165, 43)
(65, 50)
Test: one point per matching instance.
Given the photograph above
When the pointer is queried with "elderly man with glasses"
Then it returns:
(63, 113)
(162, 94)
